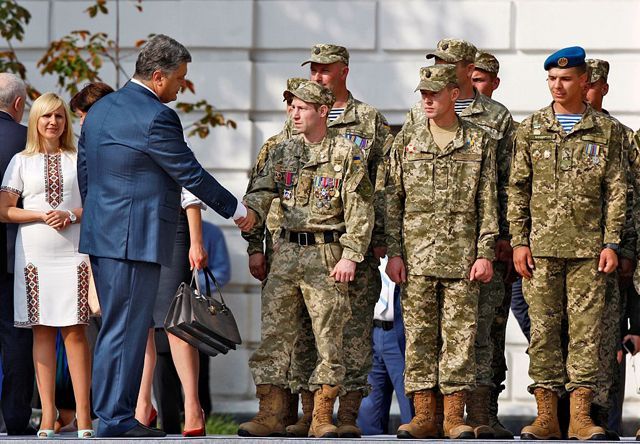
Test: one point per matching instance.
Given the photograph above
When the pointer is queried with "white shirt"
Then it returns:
(383, 310)
(241, 210)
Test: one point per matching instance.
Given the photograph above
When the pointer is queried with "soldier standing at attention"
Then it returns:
(365, 126)
(496, 120)
(326, 200)
(567, 200)
(442, 222)
(485, 79)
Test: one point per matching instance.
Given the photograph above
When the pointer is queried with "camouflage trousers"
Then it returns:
(440, 317)
(364, 292)
(583, 302)
(489, 300)
(299, 281)
(608, 371)
(498, 338)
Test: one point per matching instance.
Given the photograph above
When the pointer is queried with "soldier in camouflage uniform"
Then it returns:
(496, 120)
(442, 221)
(617, 283)
(485, 79)
(566, 210)
(367, 128)
(325, 196)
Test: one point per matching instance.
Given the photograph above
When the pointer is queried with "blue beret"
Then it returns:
(565, 58)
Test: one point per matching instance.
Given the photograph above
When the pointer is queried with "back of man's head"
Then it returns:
(12, 88)
(162, 53)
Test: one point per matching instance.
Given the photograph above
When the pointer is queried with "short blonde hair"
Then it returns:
(45, 104)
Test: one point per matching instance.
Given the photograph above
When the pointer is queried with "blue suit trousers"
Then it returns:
(127, 291)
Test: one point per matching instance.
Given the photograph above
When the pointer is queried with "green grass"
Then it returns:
(221, 425)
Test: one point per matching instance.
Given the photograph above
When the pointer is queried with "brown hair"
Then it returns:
(89, 95)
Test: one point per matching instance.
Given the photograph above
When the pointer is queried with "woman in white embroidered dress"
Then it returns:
(51, 276)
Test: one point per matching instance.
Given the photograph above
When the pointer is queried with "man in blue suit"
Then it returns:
(132, 161)
(15, 343)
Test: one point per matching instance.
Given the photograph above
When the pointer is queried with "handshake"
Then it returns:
(246, 223)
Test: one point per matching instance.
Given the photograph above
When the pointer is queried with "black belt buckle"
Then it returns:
(385, 325)
(303, 239)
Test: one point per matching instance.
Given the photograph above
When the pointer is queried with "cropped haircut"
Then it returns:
(45, 104)
(11, 87)
(162, 53)
(89, 95)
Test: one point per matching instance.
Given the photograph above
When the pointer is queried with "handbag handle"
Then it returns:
(208, 274)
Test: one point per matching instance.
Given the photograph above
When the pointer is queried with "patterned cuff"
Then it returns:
(352, 255)
(11, 190)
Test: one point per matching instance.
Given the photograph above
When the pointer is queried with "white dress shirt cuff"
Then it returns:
(241, 211)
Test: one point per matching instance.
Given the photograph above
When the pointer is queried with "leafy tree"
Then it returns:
(78, 57)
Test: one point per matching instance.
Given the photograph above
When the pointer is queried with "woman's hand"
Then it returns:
(198, 256)
(57, 219)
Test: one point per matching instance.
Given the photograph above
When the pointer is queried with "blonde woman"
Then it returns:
(51, 276)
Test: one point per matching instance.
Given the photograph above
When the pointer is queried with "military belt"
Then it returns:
(385, 325)
(306, 238)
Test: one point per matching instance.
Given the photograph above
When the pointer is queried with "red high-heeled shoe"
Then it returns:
(202, 431)
(153, 418)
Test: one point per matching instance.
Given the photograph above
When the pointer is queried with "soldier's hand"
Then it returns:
(636, 342)
(246, 223)
(608, 261)
(523, 261)
(396, 270)
(258, 266)
(379, 252)
(482, 270)
(344, 271)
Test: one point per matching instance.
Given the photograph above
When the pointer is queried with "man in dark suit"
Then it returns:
(132, 161)
(15, 343)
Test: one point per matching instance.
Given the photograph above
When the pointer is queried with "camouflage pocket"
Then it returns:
(331, 255)
(465, 176)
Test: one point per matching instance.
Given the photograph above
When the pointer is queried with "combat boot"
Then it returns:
(600, 416)
(499, 430)
(301, 427)
(322, 419)
(454, 426)
(546, 425)
(347, 415)
(440, 413)
(423, 424)
(291, 412)
(580, 424)
(478, 412)
(268, 421)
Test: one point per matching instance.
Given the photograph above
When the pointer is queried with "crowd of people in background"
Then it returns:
(469, 212)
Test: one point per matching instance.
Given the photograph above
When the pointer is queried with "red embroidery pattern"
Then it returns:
(33, 293)
(83, 293)
(53, 179)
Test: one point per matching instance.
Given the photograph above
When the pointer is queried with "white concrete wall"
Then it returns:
(244, 50)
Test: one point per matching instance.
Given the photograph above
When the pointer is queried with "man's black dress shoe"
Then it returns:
(141, 431)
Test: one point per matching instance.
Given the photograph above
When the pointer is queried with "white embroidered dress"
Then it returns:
(51, 280)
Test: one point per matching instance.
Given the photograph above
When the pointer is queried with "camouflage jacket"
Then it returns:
(567, 192)
(495, 119)
(367, 128)
(321, 187)
(442, 204)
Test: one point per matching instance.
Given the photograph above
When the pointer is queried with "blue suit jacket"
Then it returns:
(132, 161)
(13, 138)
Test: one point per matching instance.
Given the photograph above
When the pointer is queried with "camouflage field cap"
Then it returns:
(598, 69)
(312, 92)
(434, 78)
(325, 54)
(454, 51)
(293, 83)
(487, 62)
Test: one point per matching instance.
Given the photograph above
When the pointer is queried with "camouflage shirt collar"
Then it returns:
(456, 143)
(348, 116)
(476, 107)
(552, 124)
(319, 152)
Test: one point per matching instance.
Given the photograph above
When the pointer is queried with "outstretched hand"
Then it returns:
(246, 223)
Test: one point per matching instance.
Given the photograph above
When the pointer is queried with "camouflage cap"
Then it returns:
(598, 69)
(436, 77)
(487, 62)
(312, 92)
(293, 83)
(454, 51)
(326, 53)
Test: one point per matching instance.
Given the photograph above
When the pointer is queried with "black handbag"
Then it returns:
(201, 320)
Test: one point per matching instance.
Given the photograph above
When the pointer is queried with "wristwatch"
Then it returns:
(614, 247)
(72, 217)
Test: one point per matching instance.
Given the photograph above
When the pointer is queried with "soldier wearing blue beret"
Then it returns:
(566, 210)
